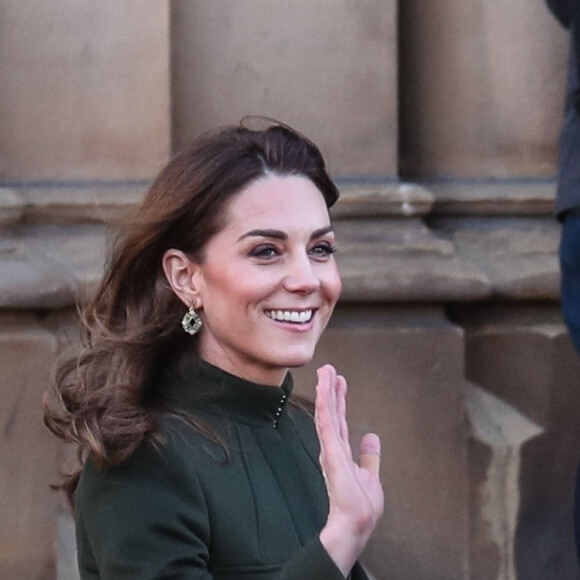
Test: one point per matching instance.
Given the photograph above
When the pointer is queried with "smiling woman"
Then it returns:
(267, 284)
(195, 463)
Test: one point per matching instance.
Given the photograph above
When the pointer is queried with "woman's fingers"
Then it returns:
(370, 453)
(341, 389)
(330, 421)
(332, 426)
(322, 412)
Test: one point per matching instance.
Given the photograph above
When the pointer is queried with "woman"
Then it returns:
(195, 461)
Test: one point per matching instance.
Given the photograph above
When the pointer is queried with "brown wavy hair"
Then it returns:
(100, 398)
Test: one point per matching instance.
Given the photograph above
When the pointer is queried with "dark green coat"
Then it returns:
(183, 510)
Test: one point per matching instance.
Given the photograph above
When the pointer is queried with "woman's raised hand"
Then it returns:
(354, 490)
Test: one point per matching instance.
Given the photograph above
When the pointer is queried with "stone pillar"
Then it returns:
(404, 367)
(523, 358)
(28, 454)
(85, 89)
(327, 68)
(481, 88)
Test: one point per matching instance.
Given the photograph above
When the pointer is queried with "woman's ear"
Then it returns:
(181, 273)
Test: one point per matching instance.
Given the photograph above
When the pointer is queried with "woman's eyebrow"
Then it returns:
(321, 232)
(277, 234)
(280, 235)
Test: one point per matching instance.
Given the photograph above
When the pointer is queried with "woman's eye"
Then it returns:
(323, 250)
(264, 252)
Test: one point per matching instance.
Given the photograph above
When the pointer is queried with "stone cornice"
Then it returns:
(437, 242)
(510, 197)
(68, 203)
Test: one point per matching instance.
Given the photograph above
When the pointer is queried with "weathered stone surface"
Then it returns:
(74, 203)
(482, 88)
(50, 266)
(67, 568)
(33, 282)
(518, 256)
(81, 249)
(28, 454)
(328, 69)
(11, 207)
(368, 200)
(405, 373)
(110, 202)
(524, 357)
(498, 434)
(402, 260)
(85, 89)
(494, 198)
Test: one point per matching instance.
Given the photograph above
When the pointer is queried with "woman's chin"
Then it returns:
(298, 359)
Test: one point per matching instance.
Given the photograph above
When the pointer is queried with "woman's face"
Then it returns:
(268, 282)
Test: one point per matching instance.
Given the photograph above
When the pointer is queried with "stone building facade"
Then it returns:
(439, 120)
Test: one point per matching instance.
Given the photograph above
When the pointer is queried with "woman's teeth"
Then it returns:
(290, 315)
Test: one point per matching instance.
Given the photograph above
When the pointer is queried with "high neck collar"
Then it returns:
(195, 385)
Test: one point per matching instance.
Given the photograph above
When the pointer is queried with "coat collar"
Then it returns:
(195, 386)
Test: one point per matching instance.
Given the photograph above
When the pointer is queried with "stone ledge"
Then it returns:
(517, 255)
(381, 260)
(437, 242)
(382, 200)
(492, 198)
(107, 203)
(11, 207)
(71, 203)
(402, 261)
(49, 267)
(110, 202)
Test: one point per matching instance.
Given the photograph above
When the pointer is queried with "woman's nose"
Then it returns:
(301, 276)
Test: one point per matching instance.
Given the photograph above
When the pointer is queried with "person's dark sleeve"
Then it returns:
(144, 519)
(575, 33)
(561, 9)
(568, 14)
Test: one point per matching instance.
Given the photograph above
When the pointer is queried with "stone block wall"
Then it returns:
(405, 372)
(448, 329)
(529, 477)
(29, 457)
